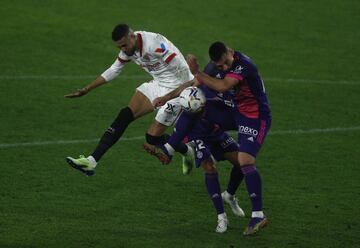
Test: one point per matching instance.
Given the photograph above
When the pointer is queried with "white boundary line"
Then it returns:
(278, 132)
(315, 130)
(68, 77)
(312, 81)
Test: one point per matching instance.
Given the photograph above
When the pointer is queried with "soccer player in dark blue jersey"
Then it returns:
(252, 116)
(212, 144)
(233, 74)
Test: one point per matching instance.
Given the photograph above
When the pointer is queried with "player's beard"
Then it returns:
(131, 52)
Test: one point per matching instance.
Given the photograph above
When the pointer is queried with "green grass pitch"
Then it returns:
(308, 54)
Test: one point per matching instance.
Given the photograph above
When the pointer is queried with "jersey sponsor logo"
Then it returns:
(151, 67)
(248, 131)
(238, 69)
(162, 49)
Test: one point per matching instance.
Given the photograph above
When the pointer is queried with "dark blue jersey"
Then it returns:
(249, 97)
(218, 114)
(219, 107)
(222, 109)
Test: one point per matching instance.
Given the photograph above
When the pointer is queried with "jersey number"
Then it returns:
(199, 144)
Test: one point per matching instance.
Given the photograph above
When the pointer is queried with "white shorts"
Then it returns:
(168, 113)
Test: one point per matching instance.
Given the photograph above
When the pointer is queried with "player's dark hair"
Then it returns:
(216, 50)
(120, 31)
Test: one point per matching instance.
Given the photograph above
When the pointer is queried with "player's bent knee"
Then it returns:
(209, 167)
(245, 158)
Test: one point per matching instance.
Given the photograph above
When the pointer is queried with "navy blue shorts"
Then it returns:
(214, 146)
(252, 133)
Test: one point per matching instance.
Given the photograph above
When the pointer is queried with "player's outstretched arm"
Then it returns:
(220, 85)
(80, 92)
(160, 101)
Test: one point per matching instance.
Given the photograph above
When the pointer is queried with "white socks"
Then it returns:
(257, 214)
(190, 150)
(170, 149)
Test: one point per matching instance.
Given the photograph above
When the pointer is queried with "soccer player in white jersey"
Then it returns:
(165, 63)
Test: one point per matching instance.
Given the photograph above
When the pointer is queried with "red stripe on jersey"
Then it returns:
(159, 50)
(140, 43)
(122, 61)
(236, 76)
(249, 108)
(261, 135)
(247, 103)
(170, 57)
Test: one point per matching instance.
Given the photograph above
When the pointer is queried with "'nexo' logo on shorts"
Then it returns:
(248, 131)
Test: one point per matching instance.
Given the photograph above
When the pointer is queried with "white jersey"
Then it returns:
(157, 56)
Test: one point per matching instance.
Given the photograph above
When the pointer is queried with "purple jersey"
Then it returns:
(252, 115)
(250, 98)
(218, 115)
(220, 107)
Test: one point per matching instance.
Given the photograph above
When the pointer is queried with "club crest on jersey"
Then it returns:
(238, 69)
(162, 49)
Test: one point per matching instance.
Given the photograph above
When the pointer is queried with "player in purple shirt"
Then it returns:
(252, 116)
(234, 75)
(205, 130)
(212, 144)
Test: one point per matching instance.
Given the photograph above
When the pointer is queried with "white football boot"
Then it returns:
(222, 223)
(233, 203)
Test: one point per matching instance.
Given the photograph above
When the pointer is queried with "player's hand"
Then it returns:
(160, 101)
(77, 93)
(193, 63)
